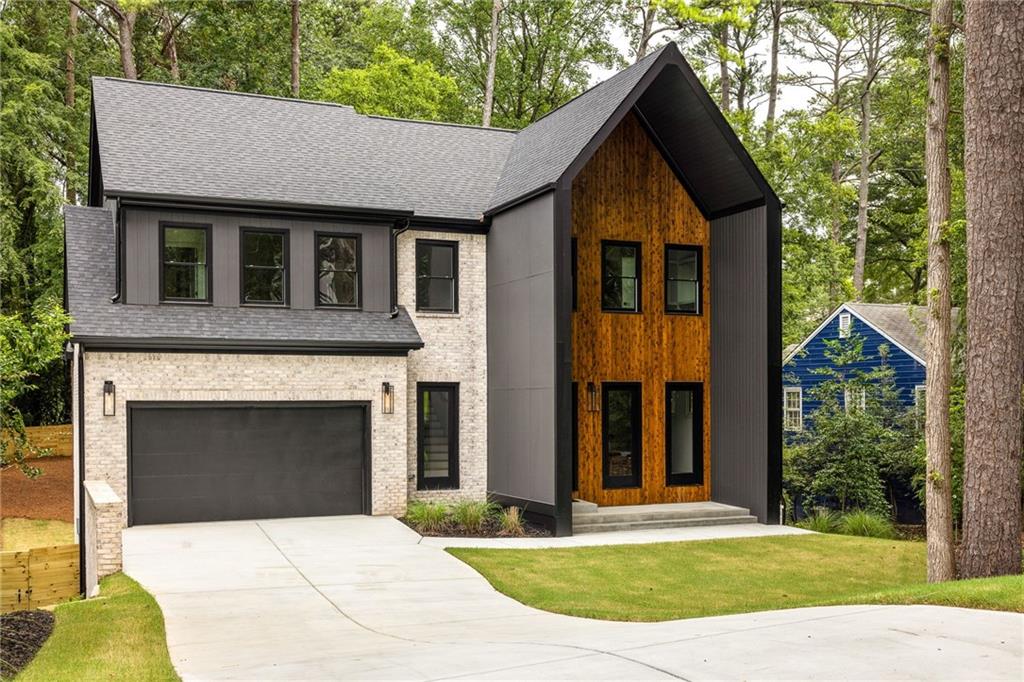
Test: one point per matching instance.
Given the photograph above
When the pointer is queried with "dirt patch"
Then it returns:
(491, 529)
(22, 634)
(50, 496)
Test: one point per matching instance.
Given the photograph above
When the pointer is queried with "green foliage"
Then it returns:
(472, 516)
(866, 524)
(511, 521)
(26, 349)
(427, 517)
(821, 521)
(394, 85)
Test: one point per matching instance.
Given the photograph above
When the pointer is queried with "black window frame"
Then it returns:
(636, 480)
(451, 481)
(454, 245)
(696, 477)
(358, 305)
(286, 261)
(575, 435)
(208, 229)
(607, 243)
(699, 251)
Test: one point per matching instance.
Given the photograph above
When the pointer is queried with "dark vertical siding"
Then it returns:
(142, 262)
(739, 361)
(521, 352)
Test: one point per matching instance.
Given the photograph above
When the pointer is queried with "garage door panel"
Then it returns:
(209, 462)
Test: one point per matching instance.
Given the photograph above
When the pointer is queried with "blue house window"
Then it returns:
(793, 408)
(845, 322)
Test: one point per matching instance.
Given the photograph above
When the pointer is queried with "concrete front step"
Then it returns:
(581, 526)
(611, 515)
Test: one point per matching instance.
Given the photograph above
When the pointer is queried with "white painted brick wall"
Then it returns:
(455, 350)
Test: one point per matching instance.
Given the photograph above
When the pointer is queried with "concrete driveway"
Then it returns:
(361, 598)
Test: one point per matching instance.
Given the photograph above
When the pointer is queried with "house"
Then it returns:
(900, 328)
(286, 308)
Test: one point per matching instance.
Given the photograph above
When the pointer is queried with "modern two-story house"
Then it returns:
(286, 308)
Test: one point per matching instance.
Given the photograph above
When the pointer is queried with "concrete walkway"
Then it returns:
(363, 598)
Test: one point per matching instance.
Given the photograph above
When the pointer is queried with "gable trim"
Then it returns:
(847, 309)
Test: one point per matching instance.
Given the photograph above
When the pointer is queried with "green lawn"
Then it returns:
(117, 636)
(19, 534)
(715, 577)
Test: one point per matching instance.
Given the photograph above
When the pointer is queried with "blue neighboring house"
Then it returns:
(898, 326)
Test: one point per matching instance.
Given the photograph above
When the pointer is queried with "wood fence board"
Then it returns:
(38, 577)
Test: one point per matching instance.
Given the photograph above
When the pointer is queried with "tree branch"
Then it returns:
(171, 31)
(893, 5)
(95, 20)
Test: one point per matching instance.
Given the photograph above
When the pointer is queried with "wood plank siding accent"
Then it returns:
(627, 192)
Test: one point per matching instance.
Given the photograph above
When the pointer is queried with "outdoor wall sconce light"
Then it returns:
(592, 404)
(387, 398)
(109, 399)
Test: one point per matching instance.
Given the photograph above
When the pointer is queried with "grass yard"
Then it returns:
(693, 579)
(118, 636)
(20, 534)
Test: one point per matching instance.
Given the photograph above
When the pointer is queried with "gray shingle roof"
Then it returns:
(164, 140)
(91, 277)
(903, 323)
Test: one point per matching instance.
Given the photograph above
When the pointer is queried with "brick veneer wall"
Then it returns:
(455, 350)
(104, 520)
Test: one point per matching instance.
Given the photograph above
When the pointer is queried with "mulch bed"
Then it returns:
(22, 634)
(50, 496)
(491, 529)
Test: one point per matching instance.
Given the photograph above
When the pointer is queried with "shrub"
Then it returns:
(427, 517)
(473, 515)
(821, 521)
(866, 524)
(511, 521)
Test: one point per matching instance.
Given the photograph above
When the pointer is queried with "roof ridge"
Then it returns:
(257, 95)
(440, 123)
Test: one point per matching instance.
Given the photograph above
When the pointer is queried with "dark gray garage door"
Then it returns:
(224, 461)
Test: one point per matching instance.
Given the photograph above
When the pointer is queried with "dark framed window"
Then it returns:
(338, 270)
(185, 251)
(620, 276)
(683, 269)
(437, 276)
(621, 434)
(264, 266)
(684, 434)
(575, 436)
(437, 436)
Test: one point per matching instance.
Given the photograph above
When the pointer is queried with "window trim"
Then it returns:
(697, 476)
(317, 234)
(862, 401)
(451, 481)
(286, 259)
(605, 243)
(206, 227)
(699, 251)
(609, 482)
(454, 244)
(799, 390)
(845, 325)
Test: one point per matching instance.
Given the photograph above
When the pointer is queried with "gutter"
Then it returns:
(400, 226)
(82, 541)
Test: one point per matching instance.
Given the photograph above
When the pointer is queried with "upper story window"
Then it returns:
(437, 276)
(682, 279)
(620, 276)
(845, 323)
(338, 263)
(264, 266)
(185, 272)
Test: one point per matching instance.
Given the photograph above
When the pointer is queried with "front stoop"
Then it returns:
(587, 517)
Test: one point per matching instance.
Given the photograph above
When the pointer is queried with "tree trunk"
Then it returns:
(492, 63)
(126, 43)
(938, 479)
(69, 100)
(295, 48)
(994, 169)
(644, 41)
(860, 251)
(773, 78)
(725, 103)
(171, 46)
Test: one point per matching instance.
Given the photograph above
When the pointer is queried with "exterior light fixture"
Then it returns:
(387, 398)
(592, 404)
(109, 399)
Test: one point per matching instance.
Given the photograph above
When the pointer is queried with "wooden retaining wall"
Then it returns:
(38, 577)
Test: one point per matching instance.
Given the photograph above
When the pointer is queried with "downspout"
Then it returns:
(119, 251)
(82, 540)
(400, 226)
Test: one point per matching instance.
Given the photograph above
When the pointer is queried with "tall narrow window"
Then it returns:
(920, 404)
(620, 276)
(575, 436)
(855, 398)
(682, 279)
(437, 436)
(437, 276)
(265, 266)
(684, 434)
(338, 261)
(845, 323)
(622, 433)
(185, 253)
(793, 408)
